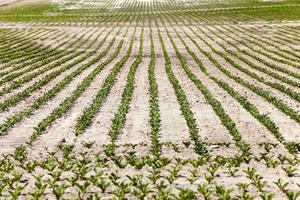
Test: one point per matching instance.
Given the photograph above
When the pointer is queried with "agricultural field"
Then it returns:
(150, 99)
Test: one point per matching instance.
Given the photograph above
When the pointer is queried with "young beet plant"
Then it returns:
(205, 191)
(59, 190)
(244, 188)
(290, 171)
(142, 189)
(292, 195)
(185, 193)
(40, 185)
(267, 196)
(20, 153)
(194, 175)
(223, 193)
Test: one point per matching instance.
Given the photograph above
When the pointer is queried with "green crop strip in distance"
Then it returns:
(68, 102)
(10, 121)
(23, 94)
(86, 118)
(182, 100)
(154, 107)
(216, 105)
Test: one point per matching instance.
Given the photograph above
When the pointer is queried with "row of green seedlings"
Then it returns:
(48, 56)
(10, 42)
(41, 60)
(34, 35)
(10, 121)
(251, 108)
(56, 58)
(289, 34)
(265, 120)
(7, 34)
(154, 106)
(68, 102)
(287, 40)
(25, 79)
(161, 173)
(46, 79)
(283, 42)
(288, 163)
(182, 100)
(265, 45)
(216, 105)
(275, 85)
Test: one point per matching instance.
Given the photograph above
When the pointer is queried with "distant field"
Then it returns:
(150, 99)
